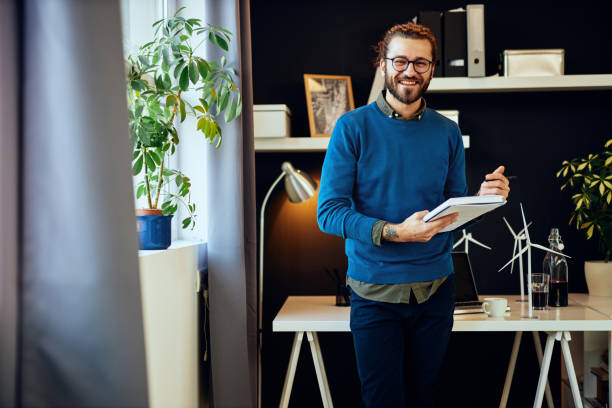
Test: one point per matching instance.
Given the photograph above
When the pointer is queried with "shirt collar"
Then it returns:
(385, 108)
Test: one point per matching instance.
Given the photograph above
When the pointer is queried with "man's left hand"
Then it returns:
(495, 183)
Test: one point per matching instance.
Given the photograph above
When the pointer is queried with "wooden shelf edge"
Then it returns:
(521, 84)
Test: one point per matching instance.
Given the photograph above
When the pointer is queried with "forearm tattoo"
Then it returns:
(390, 232)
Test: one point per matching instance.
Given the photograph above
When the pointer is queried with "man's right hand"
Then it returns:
(414, 229)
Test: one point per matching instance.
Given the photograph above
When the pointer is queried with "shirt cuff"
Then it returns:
(377, 230)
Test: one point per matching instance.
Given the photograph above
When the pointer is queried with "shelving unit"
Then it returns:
(303, 144)
(521, 84)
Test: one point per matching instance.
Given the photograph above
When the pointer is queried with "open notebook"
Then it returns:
(468, 208)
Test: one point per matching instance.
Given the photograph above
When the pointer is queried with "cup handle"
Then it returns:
(484, 307)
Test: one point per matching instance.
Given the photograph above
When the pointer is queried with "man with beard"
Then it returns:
(385, 161)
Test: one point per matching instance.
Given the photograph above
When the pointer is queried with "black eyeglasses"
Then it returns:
(420, 65)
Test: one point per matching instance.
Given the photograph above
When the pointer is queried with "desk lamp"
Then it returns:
(299, 187)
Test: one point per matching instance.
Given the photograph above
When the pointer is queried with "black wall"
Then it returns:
(530, 133)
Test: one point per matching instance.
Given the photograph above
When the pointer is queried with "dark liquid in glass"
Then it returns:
(558, 293)
(538, 299)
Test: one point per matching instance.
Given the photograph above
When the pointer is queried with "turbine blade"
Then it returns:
(480, 243)
(509, 227)
(521, 231)
(513, 253)
(513, 258)
(543, 248)
(458, 242)
(525, 224)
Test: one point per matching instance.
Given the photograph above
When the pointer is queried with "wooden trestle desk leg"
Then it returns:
(538, 348)
(317, 358)
(510, 373)
(293, 360)
(562, 337)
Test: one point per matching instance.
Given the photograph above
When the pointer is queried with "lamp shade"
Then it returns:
(298, 185)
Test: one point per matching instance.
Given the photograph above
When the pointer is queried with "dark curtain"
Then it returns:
(79, 316)
(232, 240)
(9, 204)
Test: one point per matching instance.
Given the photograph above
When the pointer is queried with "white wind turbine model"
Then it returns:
(466, 238)
(518, 245)
(527, 249)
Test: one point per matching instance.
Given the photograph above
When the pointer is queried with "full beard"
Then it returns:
(392, 85)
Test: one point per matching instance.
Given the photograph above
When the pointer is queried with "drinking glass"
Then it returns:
(539, 290)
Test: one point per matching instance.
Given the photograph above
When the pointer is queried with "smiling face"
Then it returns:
(408, 86)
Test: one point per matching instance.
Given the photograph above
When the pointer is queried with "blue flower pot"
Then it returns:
(154, 231)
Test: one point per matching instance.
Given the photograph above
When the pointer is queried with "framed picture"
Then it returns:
(327, 97)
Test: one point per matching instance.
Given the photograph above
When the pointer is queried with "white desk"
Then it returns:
(311, 314)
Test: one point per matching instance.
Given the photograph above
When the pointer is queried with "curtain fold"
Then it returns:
(82, 341)
(232, 237)
(9, 213)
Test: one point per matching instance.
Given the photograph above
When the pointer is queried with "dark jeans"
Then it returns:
(400, 347)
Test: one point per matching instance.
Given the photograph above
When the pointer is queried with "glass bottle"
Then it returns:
(556, 266)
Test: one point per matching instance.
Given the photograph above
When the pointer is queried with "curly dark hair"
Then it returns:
(407, 30)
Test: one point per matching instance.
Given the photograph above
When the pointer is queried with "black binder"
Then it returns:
(455, 43)
(433, 21)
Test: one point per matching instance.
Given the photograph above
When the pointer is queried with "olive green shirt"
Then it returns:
(396, 292)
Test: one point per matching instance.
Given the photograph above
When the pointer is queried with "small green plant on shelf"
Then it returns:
(159, 75)
(592, 178)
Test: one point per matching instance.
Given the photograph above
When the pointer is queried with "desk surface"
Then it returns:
(602, 304)
(320, 314)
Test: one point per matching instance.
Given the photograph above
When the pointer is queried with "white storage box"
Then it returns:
(271, 120)
(534, 62)
(450, 114)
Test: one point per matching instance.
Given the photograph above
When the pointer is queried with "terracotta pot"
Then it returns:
(598, 277)
(148, 211)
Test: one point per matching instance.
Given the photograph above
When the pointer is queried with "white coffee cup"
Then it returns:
(495, 307)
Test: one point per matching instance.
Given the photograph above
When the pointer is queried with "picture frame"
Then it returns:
(327, 98)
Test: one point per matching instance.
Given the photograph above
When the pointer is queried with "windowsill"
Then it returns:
(179, 243)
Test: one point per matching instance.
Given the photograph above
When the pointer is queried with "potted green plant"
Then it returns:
(159, 77)
(591, 177)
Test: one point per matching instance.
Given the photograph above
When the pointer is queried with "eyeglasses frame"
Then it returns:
(410, 62)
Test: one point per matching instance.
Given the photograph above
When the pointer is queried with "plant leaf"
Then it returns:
(223, 99)
(193, 72)
(140, 191)
(201, 123)
(137, 166)
(149, 161)
(184, 79)
(590, 231)
(601, 189)
(608, 161)
(203, 67)
(221, 42)
(230, 113)
(171, 101)
(183, 111)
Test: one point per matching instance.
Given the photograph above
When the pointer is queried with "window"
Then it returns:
(138, 17)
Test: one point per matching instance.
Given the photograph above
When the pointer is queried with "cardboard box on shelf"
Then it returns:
(271, 121)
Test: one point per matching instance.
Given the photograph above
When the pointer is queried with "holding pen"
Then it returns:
(496, 183)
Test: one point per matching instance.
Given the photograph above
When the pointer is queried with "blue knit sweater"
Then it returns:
(376, 168)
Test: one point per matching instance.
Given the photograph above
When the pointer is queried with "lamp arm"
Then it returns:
(261, 250)
(260, 286)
